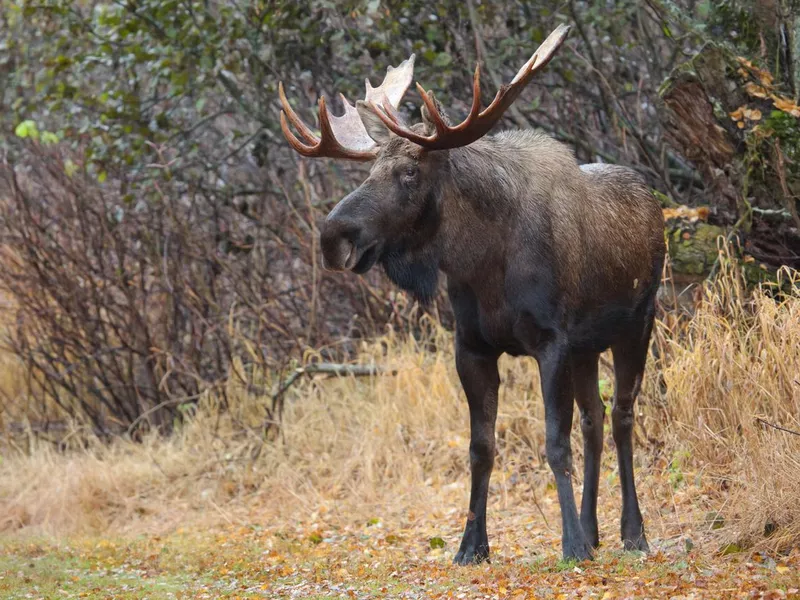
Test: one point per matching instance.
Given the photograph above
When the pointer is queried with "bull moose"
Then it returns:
(543, 258)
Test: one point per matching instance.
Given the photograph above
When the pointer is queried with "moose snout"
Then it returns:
(338, 241)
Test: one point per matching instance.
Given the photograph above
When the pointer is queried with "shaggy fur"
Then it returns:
(544, 258)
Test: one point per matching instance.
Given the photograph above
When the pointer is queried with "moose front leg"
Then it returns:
(557, 391)
(480, 380)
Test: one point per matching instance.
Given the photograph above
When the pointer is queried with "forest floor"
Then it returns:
(364, 492)
(323, 555)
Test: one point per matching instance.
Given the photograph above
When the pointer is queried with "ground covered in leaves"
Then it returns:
(324, 557)
(364, 495)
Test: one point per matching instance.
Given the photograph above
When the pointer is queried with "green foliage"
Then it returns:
(606, 389)
(676, 468)
(133, 84)
(27, 129)
(121, 80)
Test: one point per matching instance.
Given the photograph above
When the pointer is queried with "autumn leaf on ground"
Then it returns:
(686, 212)
(751, 114)
(786, 106)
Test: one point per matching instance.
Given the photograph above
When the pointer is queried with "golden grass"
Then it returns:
(395, 446)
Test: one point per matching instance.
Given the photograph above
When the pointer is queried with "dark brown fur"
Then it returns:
(543, 258)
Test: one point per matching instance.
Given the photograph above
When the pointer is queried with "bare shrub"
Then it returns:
(128, 307)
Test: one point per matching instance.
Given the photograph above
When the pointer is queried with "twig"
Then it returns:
(778, 427)
(541, 512)
(307, 192)
(729, 238)
(480, 50)
(790, 200)
(164, 404)
(772, 212)
(324, 369)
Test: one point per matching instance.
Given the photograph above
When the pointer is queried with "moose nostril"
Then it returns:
(338, 250)
(350, 255)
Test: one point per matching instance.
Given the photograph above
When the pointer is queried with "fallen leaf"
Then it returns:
(756, 90)
(738, 114)
(786, 106)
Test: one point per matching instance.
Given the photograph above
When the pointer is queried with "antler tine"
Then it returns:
(340, 137)
(477, 123)
(396, 127)
(433, 111)
(346, 136)
(303, 130)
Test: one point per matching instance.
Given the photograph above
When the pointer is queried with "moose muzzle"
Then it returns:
(346, 244)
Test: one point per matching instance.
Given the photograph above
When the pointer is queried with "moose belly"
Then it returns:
(508, 332)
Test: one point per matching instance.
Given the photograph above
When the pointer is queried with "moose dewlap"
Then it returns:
(543, 258)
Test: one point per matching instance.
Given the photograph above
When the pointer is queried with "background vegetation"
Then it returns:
(161, 284)
(143, 157)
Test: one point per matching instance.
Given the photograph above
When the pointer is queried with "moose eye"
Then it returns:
(410, 172)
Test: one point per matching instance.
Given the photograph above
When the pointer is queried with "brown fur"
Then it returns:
(544, 258)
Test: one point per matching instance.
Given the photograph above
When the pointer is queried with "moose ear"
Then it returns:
(427, 121)
(373, 124)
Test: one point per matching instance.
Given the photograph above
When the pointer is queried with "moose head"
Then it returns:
(392, 216)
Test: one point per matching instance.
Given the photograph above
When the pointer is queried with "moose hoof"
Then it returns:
(590, 531)
(472, 555)
(578, 550)
(639, 543)
(474, 547)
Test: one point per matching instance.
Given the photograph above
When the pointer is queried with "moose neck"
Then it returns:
(478, 197)
(412, 262)
(486, 191)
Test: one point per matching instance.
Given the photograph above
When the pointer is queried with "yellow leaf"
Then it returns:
(738, 114)
(786, 106)
(782, 569)
(754, 90)
(753, 115)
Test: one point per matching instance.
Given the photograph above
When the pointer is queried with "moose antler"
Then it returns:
(346, 136)
(478, 122)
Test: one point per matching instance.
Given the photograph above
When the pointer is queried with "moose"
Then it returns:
(543, 258)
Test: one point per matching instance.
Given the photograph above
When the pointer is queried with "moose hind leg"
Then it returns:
(587, 396)
(480, 380)
(629, 362)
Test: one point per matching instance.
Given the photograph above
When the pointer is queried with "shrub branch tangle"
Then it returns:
(128, 312)
(169, 241)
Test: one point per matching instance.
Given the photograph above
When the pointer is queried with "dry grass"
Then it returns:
(395, 446)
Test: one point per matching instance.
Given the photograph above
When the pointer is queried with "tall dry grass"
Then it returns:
(397, 443)
(733, 400)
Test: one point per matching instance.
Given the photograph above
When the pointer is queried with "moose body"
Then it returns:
(543, 258)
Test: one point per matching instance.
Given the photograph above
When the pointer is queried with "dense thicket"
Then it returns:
(159, 237)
